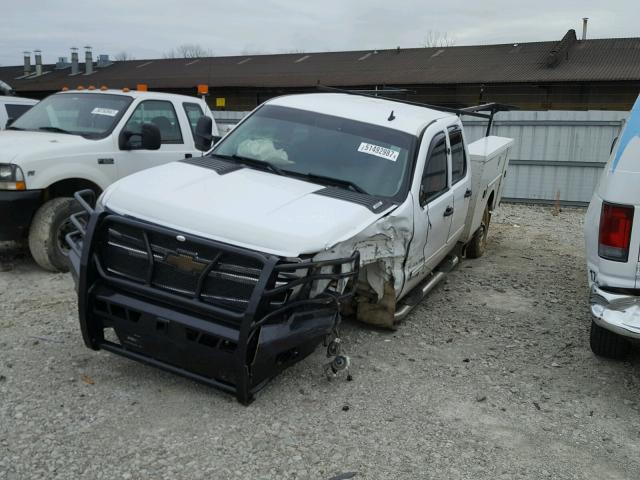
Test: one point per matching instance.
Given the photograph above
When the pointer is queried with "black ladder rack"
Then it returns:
(474, 111)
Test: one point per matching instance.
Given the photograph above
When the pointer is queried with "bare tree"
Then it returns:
(123, 56)
(188, 50)
(438, 39)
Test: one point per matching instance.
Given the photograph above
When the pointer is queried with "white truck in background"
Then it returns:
(80, 139)
(229, 267)
(11, 108)
(612, 234)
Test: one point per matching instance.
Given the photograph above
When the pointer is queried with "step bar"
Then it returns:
(415, 296)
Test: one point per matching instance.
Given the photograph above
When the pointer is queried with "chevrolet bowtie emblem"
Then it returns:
(185, 263)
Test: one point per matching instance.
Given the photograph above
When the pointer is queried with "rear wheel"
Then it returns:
(49, 227)
(605, 343)
(478, 244)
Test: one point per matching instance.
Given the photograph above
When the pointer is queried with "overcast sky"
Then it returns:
(147, 29)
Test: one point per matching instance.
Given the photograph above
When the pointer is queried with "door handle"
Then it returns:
(467, 194)
(188, 155)
(448, 212)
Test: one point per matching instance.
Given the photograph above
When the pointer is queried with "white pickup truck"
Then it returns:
(612, 232)
(12, 107)
(84, 139)
(230, 267)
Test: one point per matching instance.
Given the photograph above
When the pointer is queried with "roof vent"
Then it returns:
(38, 55)
(62, 63)
(88, 61)
(75, 68)
(103, 61)
(560, 50)
(584, 27)
(27, 63)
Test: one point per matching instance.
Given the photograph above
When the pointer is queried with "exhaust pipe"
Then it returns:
(584, 27)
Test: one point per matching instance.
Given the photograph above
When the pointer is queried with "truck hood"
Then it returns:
(248, 208)
(16, 145)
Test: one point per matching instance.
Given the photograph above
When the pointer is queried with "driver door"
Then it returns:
(163, 115)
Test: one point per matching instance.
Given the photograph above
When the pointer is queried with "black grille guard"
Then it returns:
(292, 306)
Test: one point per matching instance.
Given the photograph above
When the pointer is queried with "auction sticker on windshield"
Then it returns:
(378, 151)
(110, 112)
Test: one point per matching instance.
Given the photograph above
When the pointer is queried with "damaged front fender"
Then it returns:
(383, 248)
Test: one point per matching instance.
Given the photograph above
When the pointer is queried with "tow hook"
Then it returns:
(340, 361)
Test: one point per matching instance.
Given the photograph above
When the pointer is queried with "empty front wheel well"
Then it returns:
(69, 186)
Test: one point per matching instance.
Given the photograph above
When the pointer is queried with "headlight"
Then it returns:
(11, 177)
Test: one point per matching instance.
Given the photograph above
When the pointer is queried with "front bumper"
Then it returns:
(16, 211)
(194, 333)
(616, 312)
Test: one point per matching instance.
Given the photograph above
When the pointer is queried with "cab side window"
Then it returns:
(458, 157)
(162, 115)
(194, 112)
(15, 110)
(434, 179)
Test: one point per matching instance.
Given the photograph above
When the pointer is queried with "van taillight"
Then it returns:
(615, 232)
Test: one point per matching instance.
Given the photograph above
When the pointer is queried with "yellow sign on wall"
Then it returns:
(221, 102)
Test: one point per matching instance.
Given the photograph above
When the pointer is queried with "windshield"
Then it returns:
(92, 115)
(371, 157)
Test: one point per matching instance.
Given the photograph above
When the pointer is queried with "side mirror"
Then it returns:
(150, 138)
(203, 138)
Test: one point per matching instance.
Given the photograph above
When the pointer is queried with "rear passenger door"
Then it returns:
(460, 182)
(163, 115)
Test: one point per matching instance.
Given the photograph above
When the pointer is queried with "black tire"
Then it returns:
(605, 343)
(48, 228)
(478, 244)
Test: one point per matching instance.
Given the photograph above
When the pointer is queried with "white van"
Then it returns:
(612, 231)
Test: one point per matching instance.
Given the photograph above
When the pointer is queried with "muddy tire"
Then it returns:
(605, 343)
(478, 244)
(46, 236)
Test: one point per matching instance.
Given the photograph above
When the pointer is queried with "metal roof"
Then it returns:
(616, 59)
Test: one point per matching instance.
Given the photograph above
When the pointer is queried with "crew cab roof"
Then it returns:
(17, 100)
(134, 94)
(377, 111)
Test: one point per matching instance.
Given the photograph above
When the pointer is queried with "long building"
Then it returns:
(566, 74)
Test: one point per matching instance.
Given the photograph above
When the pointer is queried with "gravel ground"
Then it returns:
(490, 377)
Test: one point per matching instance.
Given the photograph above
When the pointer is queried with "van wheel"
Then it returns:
(50, 225)
(478, 244)
(605, 343)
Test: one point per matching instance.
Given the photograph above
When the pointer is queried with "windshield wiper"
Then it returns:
(14, 128)
(253, 162)
(338, 182)
(56, 130)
